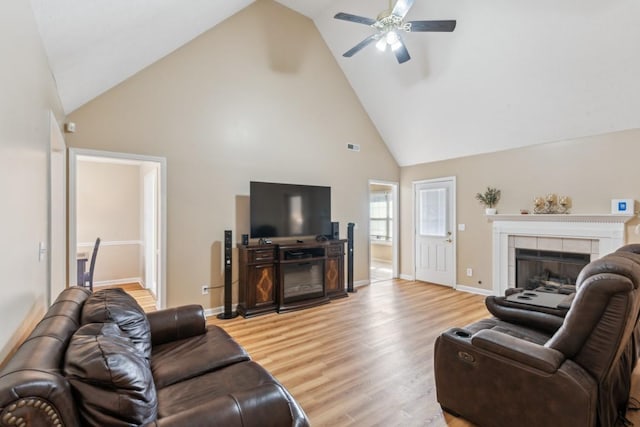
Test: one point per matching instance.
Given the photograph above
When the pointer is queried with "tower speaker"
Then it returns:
(350, 227)
(228, 311)
(335, 231)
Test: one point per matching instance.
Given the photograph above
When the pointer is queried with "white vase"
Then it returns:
(490, 211)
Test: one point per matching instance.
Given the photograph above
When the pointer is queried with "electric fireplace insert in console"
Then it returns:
(303, 280)
(302, 274)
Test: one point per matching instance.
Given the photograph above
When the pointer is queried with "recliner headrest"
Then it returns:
(626, 264)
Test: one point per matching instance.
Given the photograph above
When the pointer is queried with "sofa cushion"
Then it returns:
(183, 359)
(230, 380)
(111, 379)
(117, 306)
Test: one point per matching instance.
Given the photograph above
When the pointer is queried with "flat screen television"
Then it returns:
(288, 210)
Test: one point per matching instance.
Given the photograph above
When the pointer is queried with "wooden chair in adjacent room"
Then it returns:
(88, 275)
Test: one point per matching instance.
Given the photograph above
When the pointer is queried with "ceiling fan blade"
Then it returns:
(401, 52)
(432, 25)
(361, 45)
(355, 18)
(402, 7)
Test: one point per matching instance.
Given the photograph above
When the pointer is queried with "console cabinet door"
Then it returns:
(262, 285)
(257, 281)
(334, 271)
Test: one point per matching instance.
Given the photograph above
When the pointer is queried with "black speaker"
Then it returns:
(245, 239)
(350, 227)
(228, 311)
(335, 231)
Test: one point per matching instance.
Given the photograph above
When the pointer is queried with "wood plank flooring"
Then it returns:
(143, 296)
(366, 360)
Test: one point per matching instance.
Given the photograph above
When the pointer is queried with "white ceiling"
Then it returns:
(513, 73)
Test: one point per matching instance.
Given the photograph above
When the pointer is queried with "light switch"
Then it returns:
(461, 227)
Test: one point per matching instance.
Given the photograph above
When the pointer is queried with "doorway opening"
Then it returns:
(120, 198)
(383, 230)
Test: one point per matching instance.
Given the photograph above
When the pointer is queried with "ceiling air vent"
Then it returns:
(353, 147)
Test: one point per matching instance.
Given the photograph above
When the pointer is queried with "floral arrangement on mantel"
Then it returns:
(551, 204)
(489, 199)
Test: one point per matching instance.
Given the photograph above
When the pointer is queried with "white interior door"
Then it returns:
(434, 228)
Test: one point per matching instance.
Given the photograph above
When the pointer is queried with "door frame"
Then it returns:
(396, 228)
(57, 211)
(74, 153)
(454, 227)
(150, 231)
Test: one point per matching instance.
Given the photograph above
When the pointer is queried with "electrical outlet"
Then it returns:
(205, 290)
(469, 272)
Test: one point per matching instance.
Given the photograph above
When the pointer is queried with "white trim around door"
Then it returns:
(74, 155)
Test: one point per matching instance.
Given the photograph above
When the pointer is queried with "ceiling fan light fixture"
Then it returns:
(388, 26)
(392, 38)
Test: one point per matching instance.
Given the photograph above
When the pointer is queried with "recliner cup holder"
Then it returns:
(529, 294)
(462, 334)
(523, 297)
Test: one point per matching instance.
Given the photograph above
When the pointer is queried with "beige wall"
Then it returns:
(244, 101)
(381, 251)
(591, 170)
(27, 93)
(108, 206)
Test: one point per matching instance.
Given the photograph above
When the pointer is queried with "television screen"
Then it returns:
(286, 210)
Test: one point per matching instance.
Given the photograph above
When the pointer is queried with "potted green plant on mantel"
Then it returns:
(489, 199)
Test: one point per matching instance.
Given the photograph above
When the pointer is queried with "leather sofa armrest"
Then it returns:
(519, 350)
(176, 323)
(248, 408)
(541, 318)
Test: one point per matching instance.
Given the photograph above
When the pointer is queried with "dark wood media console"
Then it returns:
(289, 276)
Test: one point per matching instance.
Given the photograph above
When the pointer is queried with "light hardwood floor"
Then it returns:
(365, 360)
(143, 296)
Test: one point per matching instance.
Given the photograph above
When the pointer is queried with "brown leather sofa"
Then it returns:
(533, 368)
(97, 359)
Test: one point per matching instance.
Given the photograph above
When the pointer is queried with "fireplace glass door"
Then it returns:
(548, 269)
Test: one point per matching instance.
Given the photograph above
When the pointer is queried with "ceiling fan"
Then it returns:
(389, 25)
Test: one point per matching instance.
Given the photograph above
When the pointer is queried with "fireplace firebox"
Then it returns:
(550, 270)
(303, 280)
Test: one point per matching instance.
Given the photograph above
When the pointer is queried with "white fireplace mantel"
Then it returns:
(606, 231)
(607, 218)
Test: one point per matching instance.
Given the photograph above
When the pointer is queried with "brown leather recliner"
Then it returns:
(500, 373)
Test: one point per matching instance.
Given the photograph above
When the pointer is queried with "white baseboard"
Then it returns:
(214, 311)
(119, 282)
(473, 290)
(407, 277)
(361, 283)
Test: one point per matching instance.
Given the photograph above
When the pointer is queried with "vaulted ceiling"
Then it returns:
(513, 73)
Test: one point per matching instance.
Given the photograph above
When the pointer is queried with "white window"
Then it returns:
(381, 216)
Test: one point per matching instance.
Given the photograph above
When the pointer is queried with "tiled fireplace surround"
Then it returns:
(596, 235)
